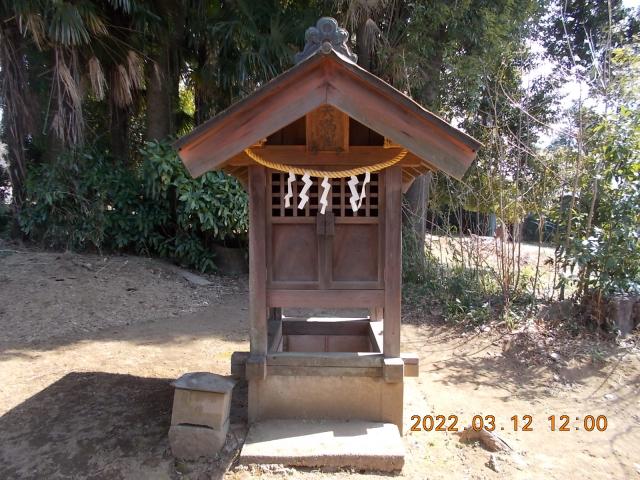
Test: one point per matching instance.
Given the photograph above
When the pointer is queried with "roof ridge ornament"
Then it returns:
(326, 36)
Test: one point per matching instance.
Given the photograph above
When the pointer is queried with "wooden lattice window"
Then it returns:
(339, 202)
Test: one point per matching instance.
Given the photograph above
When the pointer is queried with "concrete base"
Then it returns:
(338, 398)
(324, 443)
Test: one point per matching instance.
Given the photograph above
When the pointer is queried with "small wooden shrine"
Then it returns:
(325, 151)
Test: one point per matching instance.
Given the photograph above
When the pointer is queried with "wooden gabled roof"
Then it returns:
(328, 78)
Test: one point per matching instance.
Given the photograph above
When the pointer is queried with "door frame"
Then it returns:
(324, 243)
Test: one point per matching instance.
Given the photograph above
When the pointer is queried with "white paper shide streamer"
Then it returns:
(363, 191)
(304, 198)
(325, 194)
(289, 195)
(353, 184)
(355, 199)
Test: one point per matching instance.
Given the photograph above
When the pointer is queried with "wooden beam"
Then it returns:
(241, 174)
(393, 370)
(376, 314)
(324, 298)
(367, 79)
(260, 116)
(373, 107)
(414, 172)
(327, 327)
(298, 371)
(393, 262)
(407, 176)
(327, 80)
(257, 261)
(406, 183)
(323, 359)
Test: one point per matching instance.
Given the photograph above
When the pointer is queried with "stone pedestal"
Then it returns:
(200, 418)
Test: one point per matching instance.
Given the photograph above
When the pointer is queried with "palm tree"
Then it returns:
(70, 45)
(255, 41)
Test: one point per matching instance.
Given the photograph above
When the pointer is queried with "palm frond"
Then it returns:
(121, 86)
(97, 78)
(124, 5)
(32, 23)
(68, 122)
(66, 26)
(135, 70)
(93, 22)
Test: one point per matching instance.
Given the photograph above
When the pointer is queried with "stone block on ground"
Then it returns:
(191, 442)
(202, 398)
(624, 313)
(200, 417)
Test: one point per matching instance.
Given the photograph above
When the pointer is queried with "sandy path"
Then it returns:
(95, 402)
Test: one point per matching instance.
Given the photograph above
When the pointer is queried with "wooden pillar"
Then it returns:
(376, 313)
(257, 270)
(392, 261)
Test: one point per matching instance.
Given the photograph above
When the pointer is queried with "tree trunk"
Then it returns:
(163, 74)
(159, 102)
(119, 132)
(415, 213)
(18, 122)
(416, 197)
(363, 46)
(205, 93)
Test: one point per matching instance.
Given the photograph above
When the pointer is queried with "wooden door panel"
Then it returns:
(294, 252)
(355, 253)
(339, 250)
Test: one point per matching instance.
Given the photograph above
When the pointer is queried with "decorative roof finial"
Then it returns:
(326, 36)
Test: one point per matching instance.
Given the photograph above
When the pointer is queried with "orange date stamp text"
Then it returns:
(516, 423)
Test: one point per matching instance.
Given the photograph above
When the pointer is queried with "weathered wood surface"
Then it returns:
(326, 252)
(324, 359)
(257, 261)
(326, 79)
(376, 314)
(272, 107)
(326, 326)
(325, 371)
(393, 263)
(327, 130)
(324, 298)
(381, 111)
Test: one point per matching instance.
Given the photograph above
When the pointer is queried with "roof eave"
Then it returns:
(313, 69)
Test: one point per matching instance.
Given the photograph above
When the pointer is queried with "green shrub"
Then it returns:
(65, 203)
(89, 202)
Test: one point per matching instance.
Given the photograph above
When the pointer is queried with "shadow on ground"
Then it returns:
(95, 425)
(226, 321)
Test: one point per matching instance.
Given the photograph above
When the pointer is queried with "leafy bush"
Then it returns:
(88, 201)
(602, 247)
(470, 292)
(66, 202)
(214, 203)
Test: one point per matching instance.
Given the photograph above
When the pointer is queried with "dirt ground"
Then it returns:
(89, 345)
